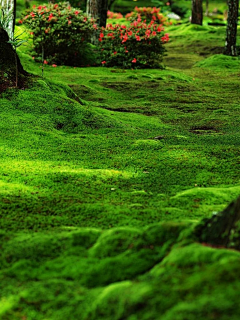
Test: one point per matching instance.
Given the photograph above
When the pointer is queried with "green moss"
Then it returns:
(220, 61)
(104, 175)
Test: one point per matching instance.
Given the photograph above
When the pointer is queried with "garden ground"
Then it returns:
(105, 173)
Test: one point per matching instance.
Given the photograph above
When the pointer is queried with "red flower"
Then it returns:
(115, 52)
(125, 38)
(50, 17)
(100, 39)
(45, 62)
(101, 35)
(20, 21)
(134, 60)
(137, 38)
(54, 65)
(103, 62)
(76, 12)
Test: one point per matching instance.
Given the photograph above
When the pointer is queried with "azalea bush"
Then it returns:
(114, 15)
(147, 14)
(61, 34)
(140, 45)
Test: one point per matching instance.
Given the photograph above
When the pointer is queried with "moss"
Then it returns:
(220, 61)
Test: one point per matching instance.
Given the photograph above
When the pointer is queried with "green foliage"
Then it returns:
(5, 18)
(138, 46)
(61, 34)
(182, 8)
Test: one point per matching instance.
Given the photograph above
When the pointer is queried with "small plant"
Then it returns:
(16, 42)
(61, 34)
(138, 46)
(147, 14)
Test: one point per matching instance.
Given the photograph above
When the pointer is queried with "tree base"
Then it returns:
(222, 229)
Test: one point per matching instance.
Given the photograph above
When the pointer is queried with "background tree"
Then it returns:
(207, 6)
(197, 12)
(232, 21)
(97, 9)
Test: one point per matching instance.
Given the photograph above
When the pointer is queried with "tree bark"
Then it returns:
(197, 12)
(102, 9)
(222, 229)
(232, 21)
(8, 61)
(9, 9)
(97, 9)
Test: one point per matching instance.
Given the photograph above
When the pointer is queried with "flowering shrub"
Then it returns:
(114, 15)
(60, 33)
(147, 14)
(138, 46)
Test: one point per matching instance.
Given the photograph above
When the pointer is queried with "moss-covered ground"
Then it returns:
(105, 172)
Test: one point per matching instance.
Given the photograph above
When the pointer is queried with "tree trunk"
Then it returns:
(232, 21)
(207, 6)
(9, 9)
(197, 12)
(102, 10)
(8, 62)
(97, 9)
(222, 229)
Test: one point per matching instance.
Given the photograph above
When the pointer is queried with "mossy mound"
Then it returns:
(220, 61)
(122, 273)
(49, 105)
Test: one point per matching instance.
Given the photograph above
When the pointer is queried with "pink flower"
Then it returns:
(54, 65)
(45, 62)
(134, 60)
(137, 38)
(103, 62)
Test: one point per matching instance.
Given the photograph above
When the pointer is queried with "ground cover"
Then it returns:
(104, 175)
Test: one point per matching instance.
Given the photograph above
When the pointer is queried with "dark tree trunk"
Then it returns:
(8, 63)
(197, 12)
(232, 21)
(222, 229)
(102, 12)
